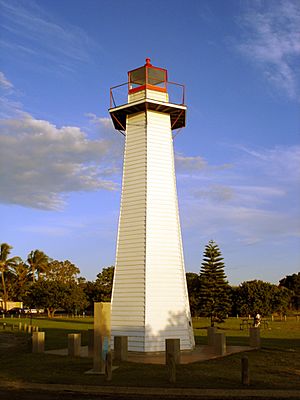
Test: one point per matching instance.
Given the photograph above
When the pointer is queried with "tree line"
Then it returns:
(41, 282)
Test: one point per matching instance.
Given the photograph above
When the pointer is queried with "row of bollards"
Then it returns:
(20, 327)
(172, 354)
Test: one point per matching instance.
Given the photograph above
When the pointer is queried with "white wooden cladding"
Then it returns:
(149, 300)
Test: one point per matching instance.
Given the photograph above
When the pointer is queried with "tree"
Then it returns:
(261, 297)
(104, 283)
(292, 282)
(192, 280)
(214, 300)
(5, 265)
(58, 288)
(101, 288)
(38, 262)
(62, 271)
(20, 280)
(281, 298)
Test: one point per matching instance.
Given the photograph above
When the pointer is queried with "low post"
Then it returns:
(220, 344)
(245, 371)
(20, 326)
(90, 343)
(25, 327)
(102, 312)
(74, 344)
(211, 331)
(173, 348)
(38, 342)
(29, 328)
(254, 338)
(4, 326)
(108, 367)
(171, 367)
(120, 348)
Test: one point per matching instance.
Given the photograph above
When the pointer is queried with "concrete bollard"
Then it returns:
(29, 328)
(74, 344)
(245, 371)
(211, 331)
(120, 348)
(254, 338)
(220, 344)
(108, 367)
(25, 327)
(20, 326)
(171, 367)
(90, 343)
(173, 348)
(4, 326)
(38, 342)
(97, 358)
(102, 313)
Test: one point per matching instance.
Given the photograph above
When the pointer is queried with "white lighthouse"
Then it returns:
(149, 300)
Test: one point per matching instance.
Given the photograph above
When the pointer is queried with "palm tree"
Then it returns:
(21, 278)
(5, 265)
(38, 262)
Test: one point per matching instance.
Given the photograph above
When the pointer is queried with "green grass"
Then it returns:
(275, 366)
(57, 329)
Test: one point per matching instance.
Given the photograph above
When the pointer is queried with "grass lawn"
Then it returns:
(275, 366)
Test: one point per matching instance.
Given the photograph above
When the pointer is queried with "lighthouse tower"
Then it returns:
(149, 300)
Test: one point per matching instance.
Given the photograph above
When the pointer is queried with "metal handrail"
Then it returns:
(113, 102)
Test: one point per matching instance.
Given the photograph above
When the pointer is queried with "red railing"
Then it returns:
(119, 93)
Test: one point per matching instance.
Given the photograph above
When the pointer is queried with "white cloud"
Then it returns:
(41, 163)
(191, 164)
(218, 193)
(256, 200)
(272, 41)
(281, 162)
(4, 82)
(37, 34)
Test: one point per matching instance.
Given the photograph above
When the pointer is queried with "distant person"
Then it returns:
(257, 320)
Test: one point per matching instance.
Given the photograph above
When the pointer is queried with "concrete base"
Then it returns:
(200, 353)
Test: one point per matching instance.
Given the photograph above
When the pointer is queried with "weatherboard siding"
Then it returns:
(149, 301)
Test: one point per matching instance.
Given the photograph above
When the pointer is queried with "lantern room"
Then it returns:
(147, 90)
(147, 77)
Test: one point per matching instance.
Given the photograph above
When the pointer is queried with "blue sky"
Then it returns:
(237, 161)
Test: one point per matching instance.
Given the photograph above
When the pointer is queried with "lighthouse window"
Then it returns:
(138, 77)
(156, 77)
